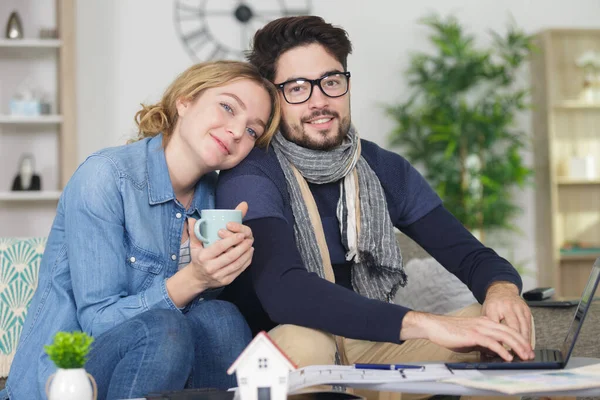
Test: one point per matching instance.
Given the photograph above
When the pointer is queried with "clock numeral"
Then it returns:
(197, 39)
(218, 53)
(296, 7)
(195, 35)
(284, 12)
(190, 11)
(291, 12)
(264, 19)
(244, 38)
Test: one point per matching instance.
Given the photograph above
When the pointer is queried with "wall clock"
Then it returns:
(223, 29)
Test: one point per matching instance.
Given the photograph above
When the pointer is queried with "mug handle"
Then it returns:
(197, 230)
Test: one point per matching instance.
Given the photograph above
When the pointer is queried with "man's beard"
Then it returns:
(297, 134)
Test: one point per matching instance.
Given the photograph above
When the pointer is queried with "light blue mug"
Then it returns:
(211, 221)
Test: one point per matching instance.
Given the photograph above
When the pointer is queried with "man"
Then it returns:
(324, 204)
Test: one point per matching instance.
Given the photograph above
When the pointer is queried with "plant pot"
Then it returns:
(71, 384)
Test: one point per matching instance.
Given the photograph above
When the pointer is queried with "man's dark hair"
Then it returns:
(283, 34)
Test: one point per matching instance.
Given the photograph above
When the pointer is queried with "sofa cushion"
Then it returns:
(19, 264)
(431, 288)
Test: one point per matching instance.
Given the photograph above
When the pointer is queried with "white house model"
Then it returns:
(262, 370)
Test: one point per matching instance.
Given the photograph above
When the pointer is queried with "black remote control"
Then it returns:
(539, 293)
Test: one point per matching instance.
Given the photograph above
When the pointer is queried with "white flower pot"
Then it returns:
(71, 384)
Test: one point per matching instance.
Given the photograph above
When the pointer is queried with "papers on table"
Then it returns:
(348, 375)
(535, 382)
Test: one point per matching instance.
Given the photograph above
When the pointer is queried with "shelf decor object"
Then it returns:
(27, 179)
(14, 27)
(582, 168)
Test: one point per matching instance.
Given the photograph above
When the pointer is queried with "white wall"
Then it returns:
(128, 51)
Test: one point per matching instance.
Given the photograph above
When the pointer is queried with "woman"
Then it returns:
(119, 264)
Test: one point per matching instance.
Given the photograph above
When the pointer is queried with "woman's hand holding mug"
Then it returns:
(226, 249)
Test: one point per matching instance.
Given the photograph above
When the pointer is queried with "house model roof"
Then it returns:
(261, 339)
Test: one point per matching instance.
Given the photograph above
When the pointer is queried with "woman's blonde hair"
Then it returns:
(162, 116)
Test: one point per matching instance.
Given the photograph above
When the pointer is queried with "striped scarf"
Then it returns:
(365, 225)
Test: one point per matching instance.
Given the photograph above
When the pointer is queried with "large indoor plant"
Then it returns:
(459, 122)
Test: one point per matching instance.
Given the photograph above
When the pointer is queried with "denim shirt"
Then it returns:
(114, 242)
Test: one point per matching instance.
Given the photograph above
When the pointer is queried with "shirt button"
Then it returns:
(173, 257)
(201, 298)
(178, 215)
(132, 259)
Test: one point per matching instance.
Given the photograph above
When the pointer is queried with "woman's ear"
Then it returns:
(182, 105)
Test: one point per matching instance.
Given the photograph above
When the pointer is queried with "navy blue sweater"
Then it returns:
(277, 288)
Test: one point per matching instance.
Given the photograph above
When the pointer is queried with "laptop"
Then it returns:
(544, 358)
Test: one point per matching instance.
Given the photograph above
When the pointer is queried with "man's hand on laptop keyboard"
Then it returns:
(504, 304)
(465, 334)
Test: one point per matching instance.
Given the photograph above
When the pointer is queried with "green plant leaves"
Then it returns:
(69, 350)
(463, 106)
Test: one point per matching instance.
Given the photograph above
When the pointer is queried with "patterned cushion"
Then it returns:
(19, 264)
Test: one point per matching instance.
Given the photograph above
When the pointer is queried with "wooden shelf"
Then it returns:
(577, 105)
(583, 256)
(41, 119)
(46, 195)
(573, 182)
(30, 43)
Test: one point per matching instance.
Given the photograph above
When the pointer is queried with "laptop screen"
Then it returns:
(582, 308)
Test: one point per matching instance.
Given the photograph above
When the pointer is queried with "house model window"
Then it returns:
(263, 363)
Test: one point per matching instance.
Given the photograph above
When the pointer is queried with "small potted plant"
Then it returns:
(69, 353)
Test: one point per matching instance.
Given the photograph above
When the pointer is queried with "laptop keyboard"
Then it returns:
(542, 355)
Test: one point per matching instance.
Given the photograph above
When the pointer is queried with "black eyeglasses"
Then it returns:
(299, 90)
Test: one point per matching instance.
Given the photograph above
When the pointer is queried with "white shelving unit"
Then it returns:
(50, 65)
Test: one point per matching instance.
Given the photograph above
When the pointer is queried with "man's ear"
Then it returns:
(182, 105)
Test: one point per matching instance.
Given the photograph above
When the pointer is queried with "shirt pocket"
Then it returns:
(144, 267)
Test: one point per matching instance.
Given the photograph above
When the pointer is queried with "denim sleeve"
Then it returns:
(94, 230)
